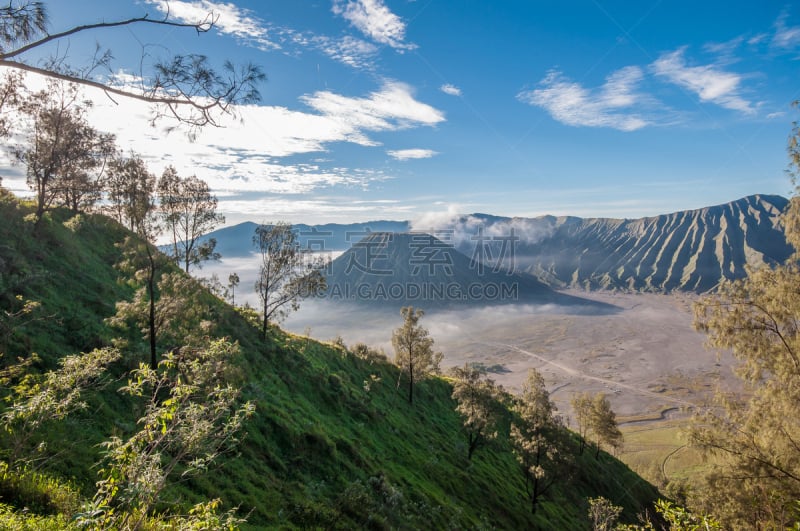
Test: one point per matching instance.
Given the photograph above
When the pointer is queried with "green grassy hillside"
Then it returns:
(323, 450)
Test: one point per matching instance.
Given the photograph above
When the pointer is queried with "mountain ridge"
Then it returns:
(689, 250)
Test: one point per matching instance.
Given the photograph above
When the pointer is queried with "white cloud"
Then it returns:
(709, 82)
(450, 89)
(249, 155)
(238, 22)
(375, 20)
(572, 104)
(465, 231)
(408, 154)
(785, 36)
(230, 19)
(348, 50)
(391, 108)
(725, 52)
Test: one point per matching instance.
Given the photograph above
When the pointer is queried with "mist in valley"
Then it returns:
(645, 354)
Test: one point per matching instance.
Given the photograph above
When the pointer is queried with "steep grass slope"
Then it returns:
(333, 444)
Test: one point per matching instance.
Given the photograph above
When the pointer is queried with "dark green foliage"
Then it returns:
(332, 442)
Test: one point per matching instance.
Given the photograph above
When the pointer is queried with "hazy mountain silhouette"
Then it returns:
(237, 240)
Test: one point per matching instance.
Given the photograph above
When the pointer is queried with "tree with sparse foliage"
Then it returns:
(142, 262)
(287, 273)
(753, 438)
(538, 439)
(233, 283)
(413, 349)
(476, 397)
(179, 315)
(596, 420)
(192, 416)
(188, 210)
(184, 87)
(603, 514)
(38, 399)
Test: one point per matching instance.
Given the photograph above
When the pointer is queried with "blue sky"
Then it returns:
(409, 109)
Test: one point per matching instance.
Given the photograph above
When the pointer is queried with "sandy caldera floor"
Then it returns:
(646, 356)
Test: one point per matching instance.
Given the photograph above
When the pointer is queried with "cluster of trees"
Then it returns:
(71, 164)
(596, 421)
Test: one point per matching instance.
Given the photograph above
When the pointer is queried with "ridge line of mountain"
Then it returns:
(690, 250)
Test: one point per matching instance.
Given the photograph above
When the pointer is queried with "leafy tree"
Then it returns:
(184, 87)
(603, 424)
(141, 259)
(189, 211)
(582, 407)
(413, 349)
(65, 156)
(537, 438)
(476, 396)
(754, 437)
(233, 282)
(192, 416)
(130, 189)
(287, 273)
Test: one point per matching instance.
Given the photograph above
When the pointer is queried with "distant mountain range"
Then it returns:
(688, 251)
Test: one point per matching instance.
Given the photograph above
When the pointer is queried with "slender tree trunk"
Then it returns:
(265, 320)
(411, 387)
(473, 444)
(151, 290)
(410, 377)
(40, 201)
